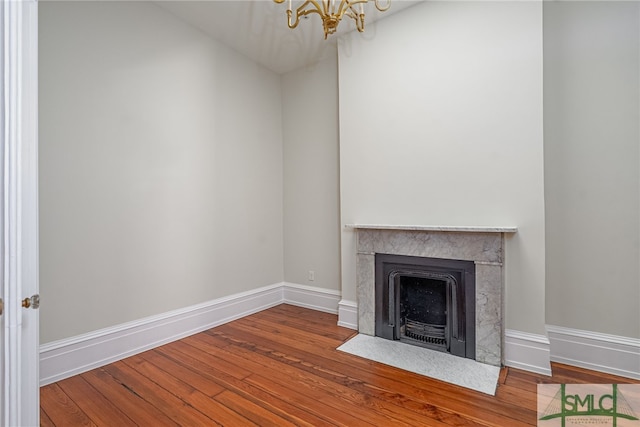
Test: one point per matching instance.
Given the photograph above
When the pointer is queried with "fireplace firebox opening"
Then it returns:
(429, 302)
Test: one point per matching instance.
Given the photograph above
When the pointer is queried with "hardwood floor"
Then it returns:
(280, 367)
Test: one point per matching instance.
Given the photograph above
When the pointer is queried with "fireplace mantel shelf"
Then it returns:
(453, 228)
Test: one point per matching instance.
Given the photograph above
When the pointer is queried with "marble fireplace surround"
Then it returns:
(483, 245)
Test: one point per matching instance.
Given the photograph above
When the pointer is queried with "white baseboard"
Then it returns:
(348, 314)
(311, 297)
(65, 358)
(599, 352)
(529, 352)
(62, 359)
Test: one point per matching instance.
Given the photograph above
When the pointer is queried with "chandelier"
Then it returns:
(331, 12)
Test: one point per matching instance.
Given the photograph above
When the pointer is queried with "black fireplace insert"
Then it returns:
(429, 302)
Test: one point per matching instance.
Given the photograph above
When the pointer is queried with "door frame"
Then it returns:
(19, 392)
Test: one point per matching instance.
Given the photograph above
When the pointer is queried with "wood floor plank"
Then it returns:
(62, 410)
(319, 328)
(227, 368)
(187, 369)
(305, 399)
(45, 421)
(265, 322)
(186, 357)
(291, 332)
(274, 368)
(136, 408)
(463, 407)
(97, 407)
(280, 367)
(503, 375)
(308, 402)
(175, 408)
(177, 383)
(256, 413)
(456, 399)
(196, 399)
(507, 394)
(333, 394)
(181, 389)
(568, 373)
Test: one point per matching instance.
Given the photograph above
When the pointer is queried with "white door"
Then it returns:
(19, 376)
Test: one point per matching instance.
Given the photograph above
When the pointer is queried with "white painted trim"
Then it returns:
(348, 314)
(64, 358)
(19, 392)
(596, 351)
(454, 228)
(311, 297)
(529, 352)
(30, 389)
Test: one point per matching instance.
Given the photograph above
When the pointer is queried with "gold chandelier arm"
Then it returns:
(301, 12)
(351, 7)
(289, 23)
(326, 9)
(315, 4)
(342, 8)
(357, 16)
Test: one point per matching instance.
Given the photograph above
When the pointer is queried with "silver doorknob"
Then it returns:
(33, 302)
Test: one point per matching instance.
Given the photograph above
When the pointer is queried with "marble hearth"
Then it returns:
(482, 245)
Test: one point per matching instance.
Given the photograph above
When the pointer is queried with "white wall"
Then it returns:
(160, 167)
(441, 124)
(311, 175)
(592, 163)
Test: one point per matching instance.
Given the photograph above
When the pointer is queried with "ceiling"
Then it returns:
(258, 29)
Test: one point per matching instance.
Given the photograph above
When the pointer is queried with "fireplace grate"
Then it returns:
(432, 334)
